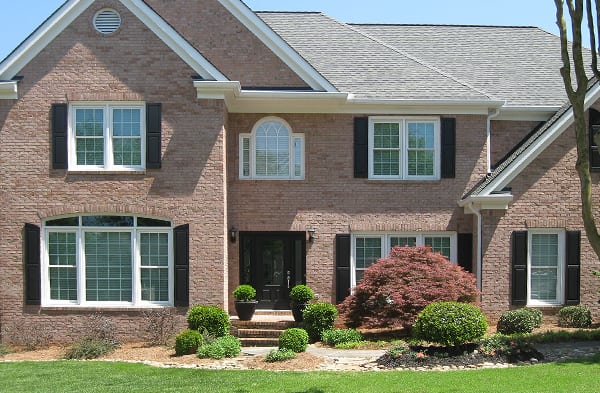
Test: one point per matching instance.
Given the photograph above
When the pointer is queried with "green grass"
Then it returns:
(74, 376)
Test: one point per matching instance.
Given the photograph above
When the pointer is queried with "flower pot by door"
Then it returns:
(245, 310)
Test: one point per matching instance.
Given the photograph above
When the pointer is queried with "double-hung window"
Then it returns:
(271, 151)
(107, 136)
(108, 261)
(545, 270)
(369, 247)
(404, 148)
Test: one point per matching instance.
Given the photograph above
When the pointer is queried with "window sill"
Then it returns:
(109, 172)
(87, 309)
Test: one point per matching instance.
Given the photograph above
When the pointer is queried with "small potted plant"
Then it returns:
(300, 296)
(245, 301)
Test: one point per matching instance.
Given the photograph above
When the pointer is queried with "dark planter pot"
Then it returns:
(245, 310)
(297, 309)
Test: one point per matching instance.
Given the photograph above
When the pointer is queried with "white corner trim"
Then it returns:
(533, 151)
(44, 34)
(65, 15)
(8, 90)
(276, 44)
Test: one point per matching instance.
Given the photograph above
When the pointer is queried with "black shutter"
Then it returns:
(573, 253)
(519, 268)
(361, 147)
(153, 136)
(182, 265)
(59, 136)
(342, 267)
(448, 160)
(594, 129)
(465, 251)
(31, 255)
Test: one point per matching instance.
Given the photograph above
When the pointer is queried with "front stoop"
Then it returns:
(264, 328)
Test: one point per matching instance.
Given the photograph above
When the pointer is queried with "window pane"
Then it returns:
(297, 157)
(90, 151)
(403, 241)
(151, 222)
(544, 261)
(107, 221)
(245, 157)
(543, 284)
(63, 222)
(272, 150)
(420, 163)
(154, 251)
(386, 162)
(127, 151)
(108, 266)
(421, 149)
(126, 122)
(89, 122)
(62, 270)
(421, 136)
(386, 135)
(368, 250)
(439, 244)
(544, 250)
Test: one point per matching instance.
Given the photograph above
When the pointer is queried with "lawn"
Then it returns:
(106, 377)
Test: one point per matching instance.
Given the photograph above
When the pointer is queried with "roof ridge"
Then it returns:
(415, 59)
(447, 25)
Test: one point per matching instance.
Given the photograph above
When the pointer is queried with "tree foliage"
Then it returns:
(395, 289)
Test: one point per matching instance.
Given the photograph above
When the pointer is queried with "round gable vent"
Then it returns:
(107, 21)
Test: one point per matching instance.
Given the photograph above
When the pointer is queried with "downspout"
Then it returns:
(488, 143)
(477, 213)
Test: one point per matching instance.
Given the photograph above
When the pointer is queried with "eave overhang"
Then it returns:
(8, 90)
(499, 201)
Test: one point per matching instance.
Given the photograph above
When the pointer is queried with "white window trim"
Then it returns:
(107, 135)
(560, 290)
(79, 231)
(252, 158)
(386, 245)
(404, 147)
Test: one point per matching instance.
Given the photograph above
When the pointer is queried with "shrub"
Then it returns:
(210, 318)
(244, 293)
(99, 327)
(160, 325)
(222, 347)
(279, 355)
(89, 348)
(301, 294)
(294, 339)
(395, 289)
(536, 315)
(187, 342)
(575, 317)
(516, 321)
(335, 337)
(450, 323)
(4, 350)
(319, 317)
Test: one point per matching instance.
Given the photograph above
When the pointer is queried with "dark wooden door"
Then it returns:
(273, 263)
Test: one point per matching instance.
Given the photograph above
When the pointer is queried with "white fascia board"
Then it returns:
(8, 90)
(277, 45)
(526, 113)
(44, 34)
(515, 168)
(174, 40)
(488, 202)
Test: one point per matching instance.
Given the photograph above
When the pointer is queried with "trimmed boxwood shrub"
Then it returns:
(222, 347)
(210, 318)
(518, 321)
(450, 323)
(395, 289)
(574, 317)
(244, 293)
(187, 342)
(319, 317)
(294, 339)
(301, 294)
(334, 337)
(536, 316)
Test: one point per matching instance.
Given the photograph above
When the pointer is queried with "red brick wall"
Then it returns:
(131, 65)
(506, 134)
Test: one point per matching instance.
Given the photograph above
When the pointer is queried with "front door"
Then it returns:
(272, 262)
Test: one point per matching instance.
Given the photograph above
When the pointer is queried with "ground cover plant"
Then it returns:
(395, 289)
(280, 355)
(222, 347)
(112, 377)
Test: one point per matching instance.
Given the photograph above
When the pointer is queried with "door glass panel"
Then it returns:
(297, 263)
(272, 260)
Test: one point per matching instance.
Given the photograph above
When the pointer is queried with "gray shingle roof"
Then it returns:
(517, 64)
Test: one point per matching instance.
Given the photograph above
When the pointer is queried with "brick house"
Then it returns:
(158, 153)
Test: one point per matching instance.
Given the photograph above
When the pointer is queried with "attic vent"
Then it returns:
(107, 21)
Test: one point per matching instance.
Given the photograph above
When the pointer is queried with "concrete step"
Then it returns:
(277, 325)
(259, 333)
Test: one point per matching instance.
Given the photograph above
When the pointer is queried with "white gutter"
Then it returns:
(488, 143)
(477, 213)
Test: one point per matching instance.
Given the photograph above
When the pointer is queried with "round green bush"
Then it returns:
(335, 337)
(319, 317)
(301, 294)
(294, 339)
(223, 347)
(518, 321)
(210, 318)
(536, 316)
(575, 317)
(244, 293)
(450, 323)
(187, 342)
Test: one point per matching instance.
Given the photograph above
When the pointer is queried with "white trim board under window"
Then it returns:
(367, 247)
(107, 136)
(271, 152)
(404, 148)
(107, 261)
(545, 267)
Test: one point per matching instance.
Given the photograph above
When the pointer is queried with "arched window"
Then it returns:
(272, 151)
